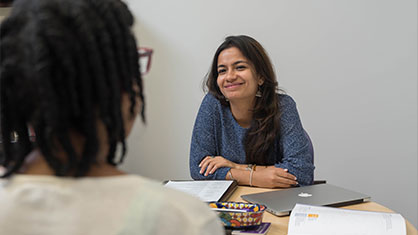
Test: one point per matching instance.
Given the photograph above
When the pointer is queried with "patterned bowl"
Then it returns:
(239, 214)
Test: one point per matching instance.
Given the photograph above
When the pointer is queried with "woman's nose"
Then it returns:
(230, 75)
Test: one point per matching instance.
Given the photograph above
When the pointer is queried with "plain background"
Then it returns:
(351, 66)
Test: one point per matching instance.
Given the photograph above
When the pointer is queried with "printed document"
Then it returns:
(206, 190)
(313, 220)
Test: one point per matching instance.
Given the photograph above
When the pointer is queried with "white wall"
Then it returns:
(350, 65)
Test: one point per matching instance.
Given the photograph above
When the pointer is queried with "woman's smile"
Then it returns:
(234, 85)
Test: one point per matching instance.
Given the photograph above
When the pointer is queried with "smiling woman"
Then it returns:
(245, 130)
(238, 82)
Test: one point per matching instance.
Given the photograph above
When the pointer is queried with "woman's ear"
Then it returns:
(260, 81)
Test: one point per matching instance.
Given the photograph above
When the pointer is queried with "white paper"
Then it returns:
(206, 190)
(315, 220)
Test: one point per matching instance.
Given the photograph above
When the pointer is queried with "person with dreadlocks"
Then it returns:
(245, 130)
(69, 71)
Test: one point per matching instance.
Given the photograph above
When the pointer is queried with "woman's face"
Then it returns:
(237, 79)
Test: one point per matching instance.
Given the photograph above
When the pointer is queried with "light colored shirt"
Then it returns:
(127, 204)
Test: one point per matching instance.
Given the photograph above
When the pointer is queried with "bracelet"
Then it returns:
(230, 175)
(251, 173)
(251, 177)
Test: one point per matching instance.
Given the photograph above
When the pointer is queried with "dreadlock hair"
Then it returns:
(64, 65)
(265, 126)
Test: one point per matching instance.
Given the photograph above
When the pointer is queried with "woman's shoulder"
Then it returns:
(286, 100)
(211, 104)
(288, 108)
(210, 99)
(173, 208)
(180, 204)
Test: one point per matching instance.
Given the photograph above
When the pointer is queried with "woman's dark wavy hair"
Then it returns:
(265, 126)
(64, 65)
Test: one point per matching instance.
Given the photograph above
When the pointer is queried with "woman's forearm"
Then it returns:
(241, 175)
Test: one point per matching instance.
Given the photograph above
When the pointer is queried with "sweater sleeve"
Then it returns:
(204, 139)
(295, 145)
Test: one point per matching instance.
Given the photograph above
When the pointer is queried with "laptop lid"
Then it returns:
(281, 202)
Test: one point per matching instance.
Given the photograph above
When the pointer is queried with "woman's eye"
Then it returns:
(241, 67)
(221, 71)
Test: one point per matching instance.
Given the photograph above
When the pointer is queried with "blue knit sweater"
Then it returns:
(217, 133)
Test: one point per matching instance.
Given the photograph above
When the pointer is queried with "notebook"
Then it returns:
(282, 201)
(205, 190)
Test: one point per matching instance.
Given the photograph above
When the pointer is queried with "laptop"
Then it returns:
(281, 202)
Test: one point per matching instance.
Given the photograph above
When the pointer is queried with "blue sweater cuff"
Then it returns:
(220, 174)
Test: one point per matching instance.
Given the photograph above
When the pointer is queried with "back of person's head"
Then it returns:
(64, 66)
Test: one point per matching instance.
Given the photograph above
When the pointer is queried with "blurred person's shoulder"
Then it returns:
(133, 202)
(168, 211)
(176, 212)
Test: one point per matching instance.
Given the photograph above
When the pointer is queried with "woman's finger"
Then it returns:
(283, 173)
(286, 181)
(210, 167)
(205, 159)
(214, 168)
(203, 165)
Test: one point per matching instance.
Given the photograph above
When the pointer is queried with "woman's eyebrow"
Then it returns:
(240, 61)
(235, 63)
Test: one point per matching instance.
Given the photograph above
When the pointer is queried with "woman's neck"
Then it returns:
(36, 164)
(242, 112)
